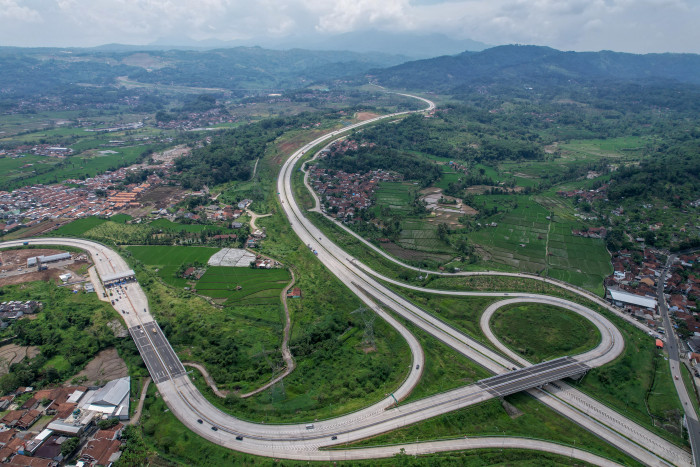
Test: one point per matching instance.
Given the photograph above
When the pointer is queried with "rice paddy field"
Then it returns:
(243, 286)
(533, 239)
(418, 233)
(15, 173)
(168, 259)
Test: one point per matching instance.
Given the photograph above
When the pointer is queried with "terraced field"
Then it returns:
(526, 240)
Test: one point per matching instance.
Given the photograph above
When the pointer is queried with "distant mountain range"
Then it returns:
(28, 71)
(531, 65)
(413, 46)
(32, 71)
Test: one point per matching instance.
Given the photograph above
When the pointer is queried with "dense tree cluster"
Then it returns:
(364, 159)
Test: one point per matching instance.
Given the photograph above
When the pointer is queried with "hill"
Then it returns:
(535, 65)
(45, 71)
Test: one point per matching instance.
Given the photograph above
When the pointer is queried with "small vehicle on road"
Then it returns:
(239, 438)
(214, 428)
(199, 420)
(417, 367)
(334, 437)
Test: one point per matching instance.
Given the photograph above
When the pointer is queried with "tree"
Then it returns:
(442, 231)
(69, 446)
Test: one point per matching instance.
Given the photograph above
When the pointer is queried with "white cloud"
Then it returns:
(629, 25)
(347, 15)
(10, 10)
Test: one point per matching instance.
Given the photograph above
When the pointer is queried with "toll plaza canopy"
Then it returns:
(112, 278)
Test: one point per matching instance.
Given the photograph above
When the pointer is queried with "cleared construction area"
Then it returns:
(236, 257)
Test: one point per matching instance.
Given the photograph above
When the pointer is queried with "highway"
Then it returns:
(673, 349)
(609, 423)
(301, 441)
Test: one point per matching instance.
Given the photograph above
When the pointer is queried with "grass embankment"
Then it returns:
(690, 387)
(637, 384)
(168, 441)
(530, 419)
(444, 369)
(543, 332)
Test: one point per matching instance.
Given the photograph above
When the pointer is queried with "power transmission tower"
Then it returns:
(368, 316)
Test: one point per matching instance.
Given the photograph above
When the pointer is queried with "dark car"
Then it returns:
(199, 420)
(334, 437)
(239, 438)
(417, 367)
(214, 428)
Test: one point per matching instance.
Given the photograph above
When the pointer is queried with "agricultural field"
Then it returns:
(449, 175)
(418, 240)
(397, 196)
(257, 286)
(526, 240)
(117, 231)
(78, 227)
(48, 170)
(168, 259)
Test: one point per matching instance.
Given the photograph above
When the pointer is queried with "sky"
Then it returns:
(639, 26)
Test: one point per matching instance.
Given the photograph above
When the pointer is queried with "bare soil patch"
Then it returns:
(19, 257)
(162, 196)
(106, 366)
(414, 255)
(46, 275)
(12, 353)
(362, 116)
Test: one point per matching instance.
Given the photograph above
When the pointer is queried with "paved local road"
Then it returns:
(302, 441)
(673, 349)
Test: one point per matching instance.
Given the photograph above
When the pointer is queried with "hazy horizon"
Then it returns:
(637, 26)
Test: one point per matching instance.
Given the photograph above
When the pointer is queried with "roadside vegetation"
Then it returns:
(70, 329)
(518, 415)
(162, 438)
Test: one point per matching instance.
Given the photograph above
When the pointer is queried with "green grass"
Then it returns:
(490, 419)
(448, 176)
(543, 332)
(120, 218)
(444, 369)
(690, 387)
(611, 147)
(59, 363)
(168, 259)
(258, 286)
(115, 230)
(78, 227)
(169, 442)
(637, 384)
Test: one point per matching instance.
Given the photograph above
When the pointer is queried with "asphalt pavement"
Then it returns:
(673, 350)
